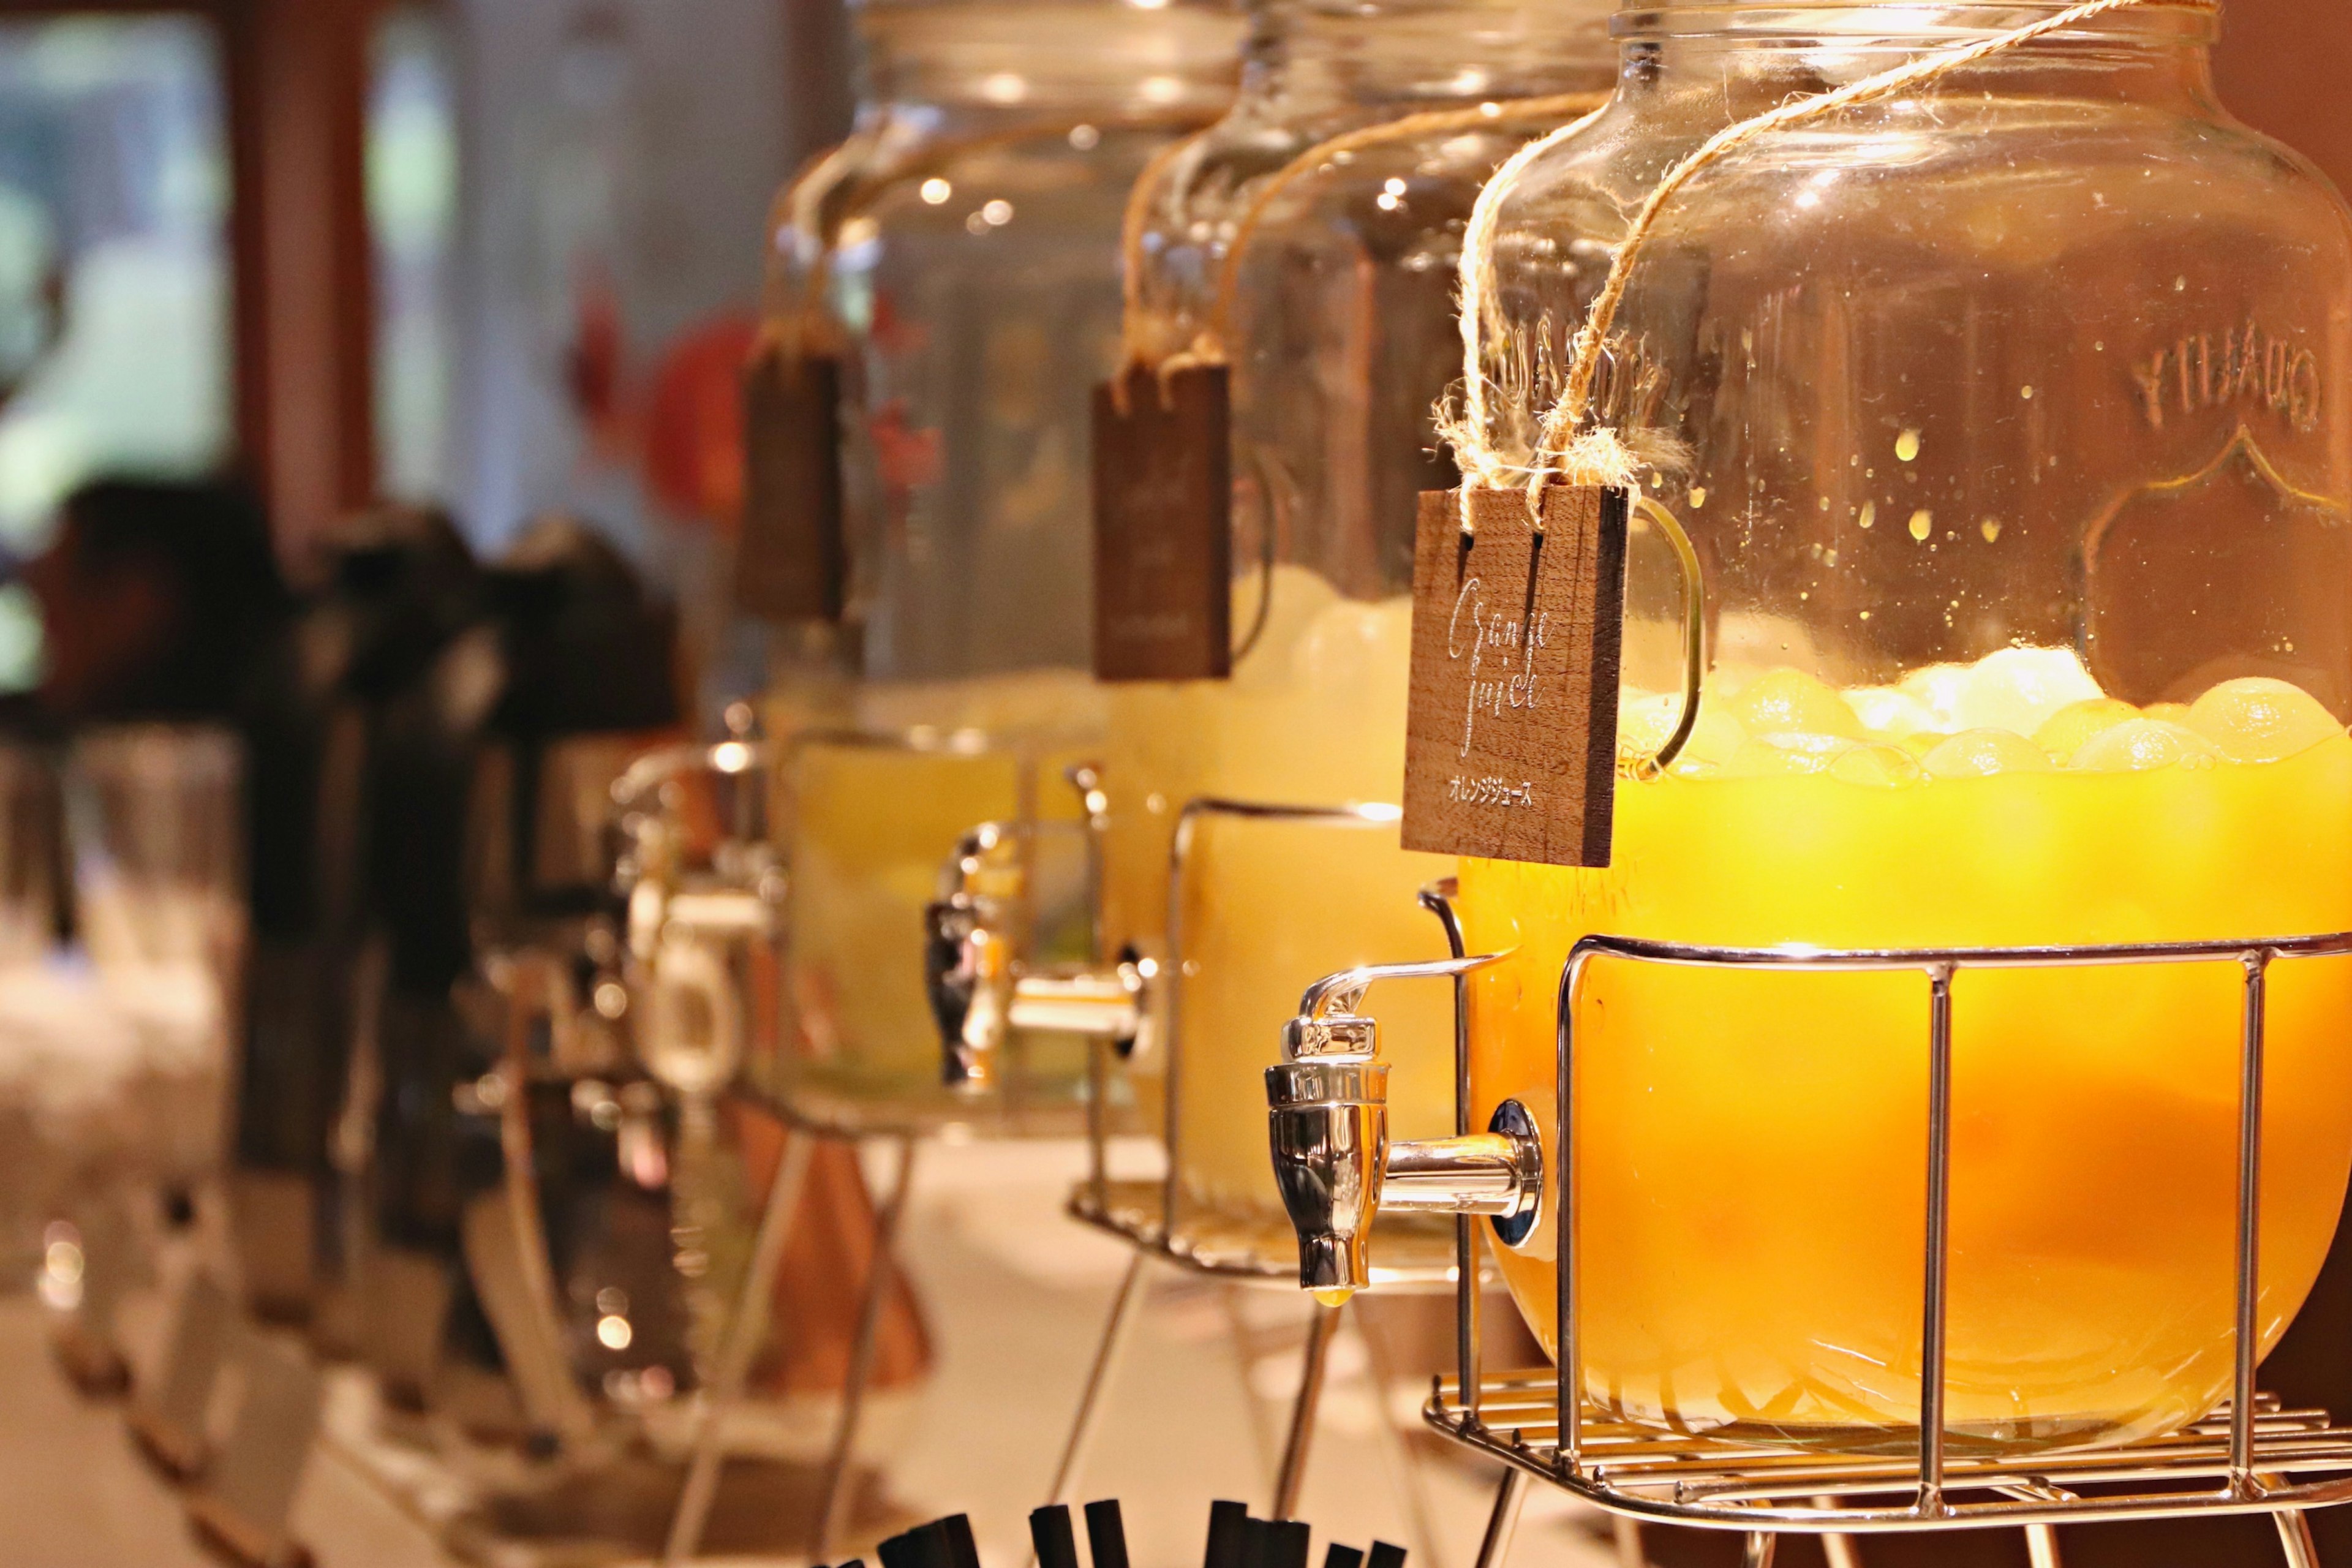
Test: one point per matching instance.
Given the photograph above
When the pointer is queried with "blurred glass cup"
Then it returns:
(155, 827)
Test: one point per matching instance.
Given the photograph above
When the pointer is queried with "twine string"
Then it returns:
(804, 199)
(1209, 344)
(1601, 452)
(1472, 454)
(1406, 127)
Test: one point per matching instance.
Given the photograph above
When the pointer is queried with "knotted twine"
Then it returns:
(1566, 452)
(1209, 345)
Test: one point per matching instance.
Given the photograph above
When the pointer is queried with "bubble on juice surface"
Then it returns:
(2137, 745)
(1980, 754)
(1716, 738)
(1891, 712)
(2021, 688)
(2258, 719)
(1938, 688)
(1647, 720)
(2076, 723)
(1877, 765)
(1791, 702)
(1784, 756)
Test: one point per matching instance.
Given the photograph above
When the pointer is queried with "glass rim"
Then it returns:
(1903, 23)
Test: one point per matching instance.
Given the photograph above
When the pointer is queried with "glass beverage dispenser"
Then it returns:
(973, 286)
(1274, 791)
(2004, 415)
(1307, 243)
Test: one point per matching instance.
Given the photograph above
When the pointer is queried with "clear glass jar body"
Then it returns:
(1340, 339)
(2003, 418)
(974, 288)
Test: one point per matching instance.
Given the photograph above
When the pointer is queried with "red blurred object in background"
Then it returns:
(694, 423)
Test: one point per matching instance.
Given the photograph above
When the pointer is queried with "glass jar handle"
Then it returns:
(1693, 635)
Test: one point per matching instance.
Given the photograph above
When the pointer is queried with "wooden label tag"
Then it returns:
(1511, 738)
(791, 561)
(1164, 528)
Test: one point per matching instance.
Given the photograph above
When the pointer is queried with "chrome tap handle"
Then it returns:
(1333, 1160)
(980, 982)
(967, 962)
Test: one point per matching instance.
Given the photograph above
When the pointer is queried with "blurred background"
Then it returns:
(418, 328)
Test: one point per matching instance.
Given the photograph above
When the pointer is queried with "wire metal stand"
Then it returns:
(2249, 1457)
(1155, 1218)
(809, 1111)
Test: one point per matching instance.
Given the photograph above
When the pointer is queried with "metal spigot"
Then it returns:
(981, 987)
(1334, 1160)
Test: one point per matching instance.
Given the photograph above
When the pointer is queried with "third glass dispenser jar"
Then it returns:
(974, 288)
(2008, 416)
(1335, 319)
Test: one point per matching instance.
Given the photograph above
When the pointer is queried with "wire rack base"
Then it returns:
(2302, 1459)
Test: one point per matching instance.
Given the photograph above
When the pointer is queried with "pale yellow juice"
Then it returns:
(868, 824)
(1314, 717)
(1752, 1146)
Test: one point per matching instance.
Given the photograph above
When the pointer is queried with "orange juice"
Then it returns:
(1752, 1157)
(1315, 718)
(869, 820)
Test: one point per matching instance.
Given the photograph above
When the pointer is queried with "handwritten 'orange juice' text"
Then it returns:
(1500, 651)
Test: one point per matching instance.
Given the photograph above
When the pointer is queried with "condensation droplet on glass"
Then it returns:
(1869, 513)
(1923, 523)
(1825, 504)
(2026, 393)
(1697, 497)
(1829, 557)
(2180, 285)
(1866, 615)
(1906, 446)
(1990, 528)
(1084, 138)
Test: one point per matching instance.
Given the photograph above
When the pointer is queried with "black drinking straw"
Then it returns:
(963, 1552)
(1286, 1543)
(1385, 1555)
(1050, 1533)
(1228, 1529)
(1340, 1556)
(1106, 1534)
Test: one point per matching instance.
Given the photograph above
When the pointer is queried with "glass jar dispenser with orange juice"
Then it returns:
(967, 276)
(2003, 414)
(1338, 324)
